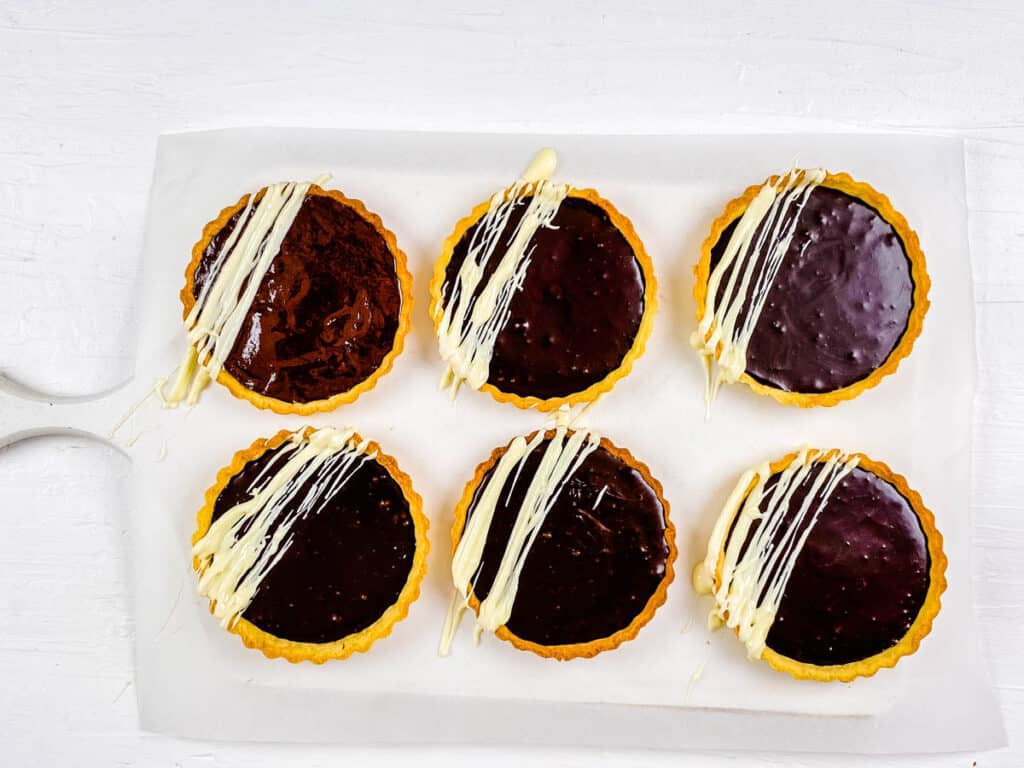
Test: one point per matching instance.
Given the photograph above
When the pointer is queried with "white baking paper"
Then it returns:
(678, 685)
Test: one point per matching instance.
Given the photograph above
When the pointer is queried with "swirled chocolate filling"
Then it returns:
(861, 578)
(840, 302)
(598, 558)
(346, 565)
(579, 308)
(327, 311)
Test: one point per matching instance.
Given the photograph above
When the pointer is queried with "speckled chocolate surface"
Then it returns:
(327, 311)
(593, 566)
(346, 565)
(579, 309)
(840, 302)
(861, 578)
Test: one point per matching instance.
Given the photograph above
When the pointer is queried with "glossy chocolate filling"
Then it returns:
(593, 566)
(861, 578)
(327, 311)
(346, 565)
(841, 300)
(578, 311)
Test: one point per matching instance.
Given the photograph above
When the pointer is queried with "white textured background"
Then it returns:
(86, 87)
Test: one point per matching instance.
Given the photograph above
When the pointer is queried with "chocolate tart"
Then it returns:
(330, 315)
(845, 580)
(581, 312)
(600, 562)
(846, 304)
(346, 547)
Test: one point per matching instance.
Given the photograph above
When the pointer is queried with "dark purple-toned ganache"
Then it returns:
(346, 564)
(578, 310)
(598, 558)
(841, 300)
(861, 578)
(327, 311)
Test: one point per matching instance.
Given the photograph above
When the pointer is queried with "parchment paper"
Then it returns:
(677, 685)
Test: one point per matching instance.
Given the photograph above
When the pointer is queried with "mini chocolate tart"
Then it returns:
(562, 545)
(810, 289)
(296, 299)
(311, 545)
(543, 295)
(826, 565)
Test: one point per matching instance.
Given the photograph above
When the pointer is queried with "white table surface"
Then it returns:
(85, 90)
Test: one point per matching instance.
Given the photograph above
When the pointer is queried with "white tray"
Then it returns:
(677, 685)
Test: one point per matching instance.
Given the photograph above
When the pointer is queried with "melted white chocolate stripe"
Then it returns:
(474, 312)
(748, 587)
(216, 318)
(239, 550)
(752, 257)
(563, 456)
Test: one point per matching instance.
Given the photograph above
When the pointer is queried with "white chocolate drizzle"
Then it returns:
(213, 323)
(474, 312)
(752, 257)
(748, 587)
(238, 550)
(563, 456)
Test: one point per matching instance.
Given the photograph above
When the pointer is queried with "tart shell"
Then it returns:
(922, 624)
(591, 648)
(359, 642)
(841, 182)
(234, 386)
(598, 388)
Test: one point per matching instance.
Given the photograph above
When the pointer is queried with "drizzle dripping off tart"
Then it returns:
(811, 288)
(296, 299)
(562, 545)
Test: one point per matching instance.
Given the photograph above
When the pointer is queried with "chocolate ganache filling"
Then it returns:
(599, 556)
(347, 564)
(327, 311)
(579, 308)
(840, 302)
(860, 580)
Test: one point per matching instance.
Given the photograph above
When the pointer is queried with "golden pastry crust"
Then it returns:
(404, 315)
(595, 390)
(841, 182)
(922, 625)
(275, 647)
(592, 648)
